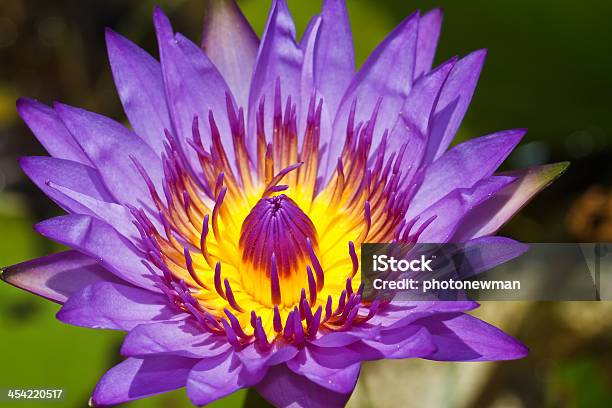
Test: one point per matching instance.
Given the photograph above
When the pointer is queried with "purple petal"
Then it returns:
(463, 166)
(402, 313)
(279, 58)
(491, 215)
(194, 87)
(76, 176)
(255, 359)
(429, 32)
(50, 131)
(137, 378)
(334, 58)
(450, 210)
(309, 89)
(106, 305)
(307, 80)
(327, 367)
(140, 85)
(231, 44)
(99, 240)
(482, 254)
(309, 31)
(115, 215)
(386, 74)
(216, 377)
(181, 338)
(412, 125)
(283, 388)
(111, 147)
(403, 342)
(461, 337)
(400, 341)
(419, 106)
(344, 338)
(57, 276)
(454, 102)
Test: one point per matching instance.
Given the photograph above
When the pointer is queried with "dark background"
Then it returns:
(548, 69)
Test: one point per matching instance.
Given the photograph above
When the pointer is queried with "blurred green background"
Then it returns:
(548, 69)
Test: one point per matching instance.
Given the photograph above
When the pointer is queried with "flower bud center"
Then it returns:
(274, 241)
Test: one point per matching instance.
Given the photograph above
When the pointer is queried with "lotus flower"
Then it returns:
(222, 231)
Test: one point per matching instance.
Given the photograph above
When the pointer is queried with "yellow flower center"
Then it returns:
(265, 252)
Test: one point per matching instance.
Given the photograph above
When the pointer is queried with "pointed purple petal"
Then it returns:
(73, 175)
(482, 254)
(111, 146)
(429, 32)
(231, 44)
(334, 59)
(50, 131)
(491, 215)
(309, 30)
(412, 127)
(216, 377)
(403, 342)
(402, 313)
(254, 359)
(78, 189)
(179, 338)
(283, 388)
(99, 240)
(307, 80)
(420, 103)
(326, 367)
(140, 85)
(137, 378)
(56, 277)
(115, 215)
(344, 338)
(309, 89)
(450, 210)
(465, 338)
(463, 166)
(386, 74)
(194, 87)
(279, 58)
(454, 102)
(397, 342)
(106, 305)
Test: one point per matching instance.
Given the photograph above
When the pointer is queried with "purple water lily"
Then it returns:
(223, 231)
